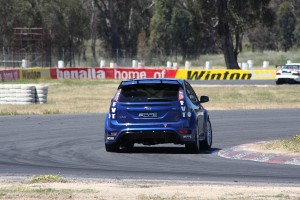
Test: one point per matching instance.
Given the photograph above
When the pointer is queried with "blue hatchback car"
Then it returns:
(157, 111)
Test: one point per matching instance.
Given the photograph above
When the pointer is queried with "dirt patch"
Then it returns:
(144, 190)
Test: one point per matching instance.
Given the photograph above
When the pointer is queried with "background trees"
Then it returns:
(119, 24)
(152, 30)
(68, 26)
(286, 25)
(229, 21)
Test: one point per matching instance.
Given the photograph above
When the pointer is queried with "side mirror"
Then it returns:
(204, 99)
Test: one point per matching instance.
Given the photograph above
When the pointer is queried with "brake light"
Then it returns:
(184, 131)
(296, 73)
(180, 95)
(117, 96)
(278, 73)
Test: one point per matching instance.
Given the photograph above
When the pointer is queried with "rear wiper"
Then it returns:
(158, 99)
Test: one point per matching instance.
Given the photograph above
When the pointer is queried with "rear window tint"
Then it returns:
(148, 93)
(291, 67)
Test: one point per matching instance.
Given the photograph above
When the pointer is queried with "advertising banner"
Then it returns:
(131, 73)
(110, 73)
(263, 74)
(80, 73)
(35, 73)
(219, 74)
(9, 75)
(134, 73)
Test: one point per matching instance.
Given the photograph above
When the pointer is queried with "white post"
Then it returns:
(250, 63)
(289, 62)
(61, 64)
(102, 63)
(140, 65)
(175, 65)
(187, 64)
(208, 65)
(169, 64)
(244, 66)
(112, 65)
(4, 58)
(134, 63)
(24, 63)
(265, 64)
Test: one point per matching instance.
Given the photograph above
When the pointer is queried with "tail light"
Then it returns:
(117, 96)
(184, 131)
(180, 95)
(296, 73)
(278, 73)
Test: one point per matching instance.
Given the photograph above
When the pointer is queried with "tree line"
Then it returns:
(156, 28)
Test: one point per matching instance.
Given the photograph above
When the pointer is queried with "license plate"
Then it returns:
(148, 115)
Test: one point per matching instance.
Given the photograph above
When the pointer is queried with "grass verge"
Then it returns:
(94, 96)
(286, 145)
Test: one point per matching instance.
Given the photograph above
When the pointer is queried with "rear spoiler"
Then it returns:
(149, 81)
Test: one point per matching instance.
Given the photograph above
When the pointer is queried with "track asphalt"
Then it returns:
(242, 152)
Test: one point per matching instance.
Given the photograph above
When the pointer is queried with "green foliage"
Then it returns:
(227, 22)
(50, 112)
(290, 144)
(66, 21)
(262, 38)
(48, 179)
(169, 29)
(182, 31)
(8, 113)
(176, 31)
(119, 24)
(286, 23)
(13, 14)
(161, 30)
(297, 35)
(297, 138)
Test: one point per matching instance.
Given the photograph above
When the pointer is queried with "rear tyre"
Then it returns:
(206, 144)
(128, 146)
(279, 82)
(112, 147)
(194, 147)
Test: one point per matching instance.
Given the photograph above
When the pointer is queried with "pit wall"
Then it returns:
(130, 73)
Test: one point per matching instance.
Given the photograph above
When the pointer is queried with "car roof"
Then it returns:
(152, 81)
(292, 64)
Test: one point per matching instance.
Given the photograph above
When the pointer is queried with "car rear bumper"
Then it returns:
(287, 79)
(151, 135)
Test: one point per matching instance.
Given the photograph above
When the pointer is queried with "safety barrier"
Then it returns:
(23, 94)
(131, 73)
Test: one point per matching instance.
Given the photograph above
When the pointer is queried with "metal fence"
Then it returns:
(11, 59)
(84, 58)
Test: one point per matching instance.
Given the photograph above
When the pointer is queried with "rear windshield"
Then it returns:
(149, 93)
(291, 67)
